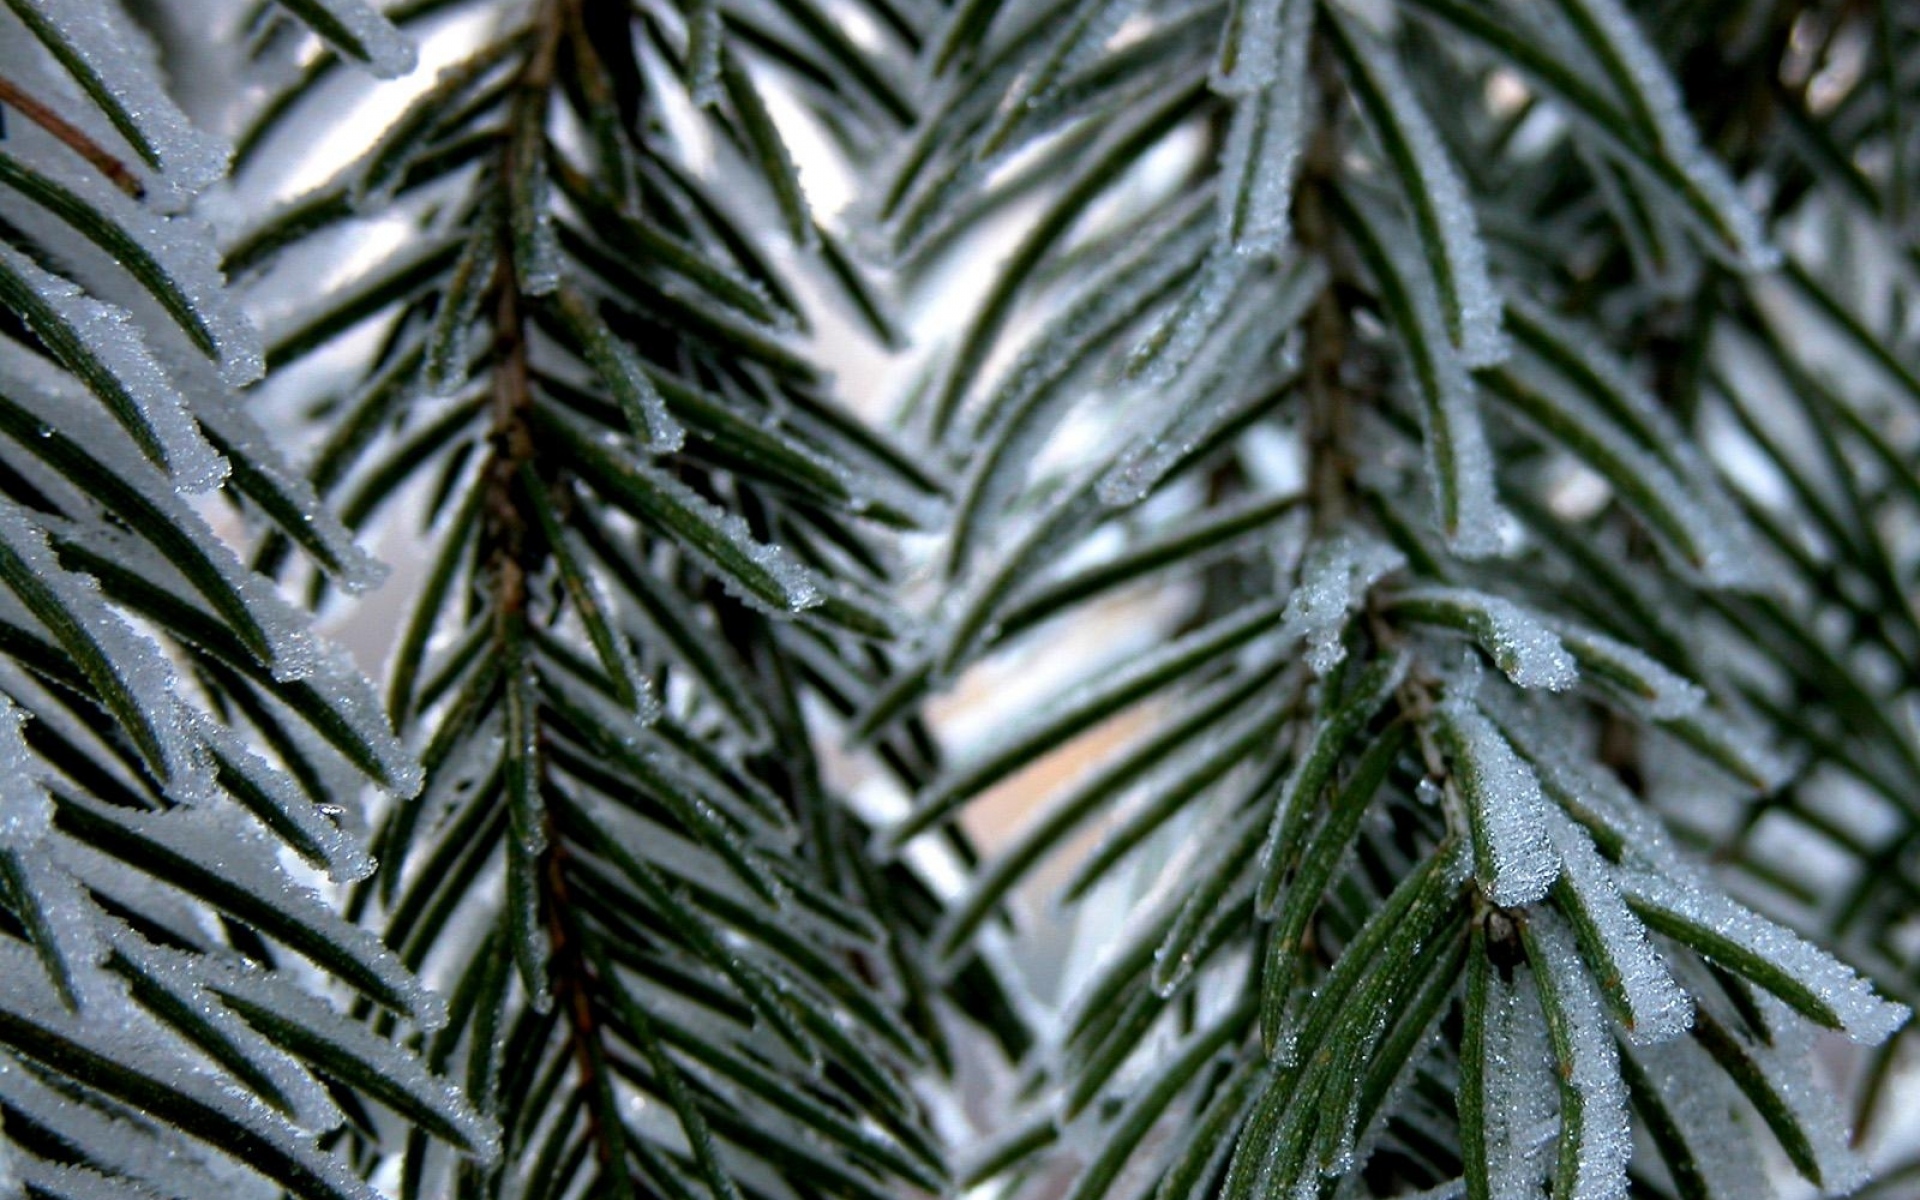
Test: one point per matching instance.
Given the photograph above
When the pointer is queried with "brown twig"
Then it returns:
(13, 96)
(513, 557)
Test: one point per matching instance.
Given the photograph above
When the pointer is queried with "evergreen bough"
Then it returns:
(1450, 465)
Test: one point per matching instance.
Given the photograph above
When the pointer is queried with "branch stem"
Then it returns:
(13, 96)
(513, 555)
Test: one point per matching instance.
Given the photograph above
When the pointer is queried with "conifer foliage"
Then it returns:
(1492, 424)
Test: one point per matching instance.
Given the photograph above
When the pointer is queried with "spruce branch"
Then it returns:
(1446, 470)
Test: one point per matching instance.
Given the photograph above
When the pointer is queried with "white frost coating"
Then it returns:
(68, 1182)
(1514, 861)
(1338, 574)
(1341, 1158)
(109, 336)
(1657, 1009)
(1072, 43)
(1740, 740)
(1713, 1119)
(1481, 341)
(1264, 140)
(163, 908)
(284, 630)
(1455, 416)
(139, 1047)
(724, 811)
(1400, 1103)
(72, 922)
(1650, 424)
(1178, 336)
(1257, 54)
(359, 571)
(103, 38)
(25, 812)
(146, 1152)
(1859, 1013)
(1189, 408)
(25, 807)
(134, 660)
(1449, 413)
(185, 977)
(270, 991)
(1663, 694)
(1728, 542)
(1028, 400)
(1704, 543)
(48, 711)
(703, 52)
(1521, 1087)
(1665, 260)
(389, 53)
(1593, 1072)
(536, 244)
(1175, 959)
(1790, 1069)
(289, 640)
(798, 586)
(454, 782)
(1525, 648)
(646, 705)
(1243, 342)
(646, 409)
(1587, 791)
(1521, 644)
(350, 694)
(185, 251)
(1224, 378)
(339, 853)
(1674, 131)
(215, 840)
(1091, 29)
